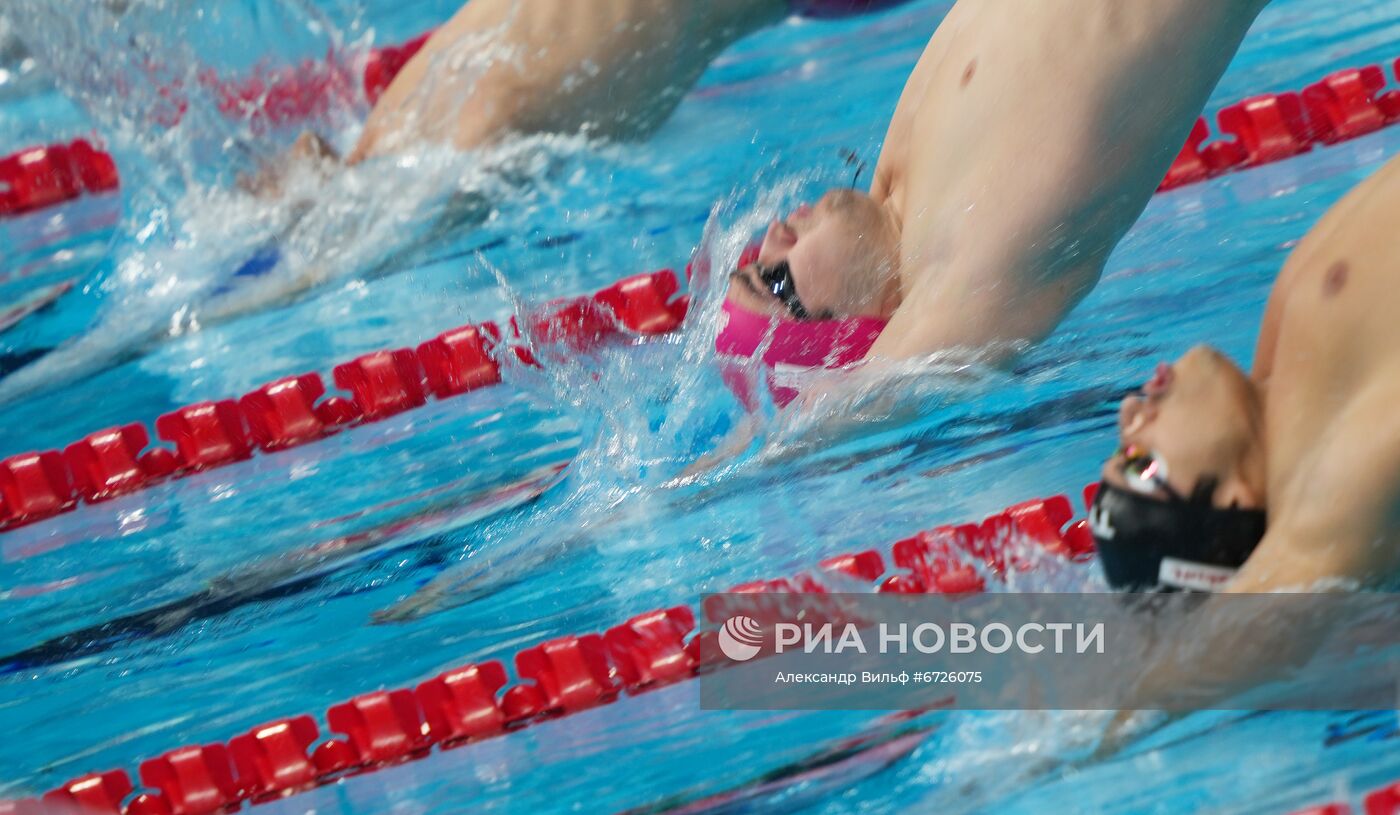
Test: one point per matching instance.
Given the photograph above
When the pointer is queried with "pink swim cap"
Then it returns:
(805, 344)
(832, 9)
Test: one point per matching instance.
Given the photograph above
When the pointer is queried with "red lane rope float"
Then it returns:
(41, 177)
(1381, 801)
(291, 410)
(556, 678)
(1263, 129)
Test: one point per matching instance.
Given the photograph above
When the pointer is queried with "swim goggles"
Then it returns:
(778, 279)
(1145, 472)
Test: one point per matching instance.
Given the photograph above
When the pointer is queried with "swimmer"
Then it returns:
(1028, 139)
(1289, 475)
(1285, 479)
(1021, 151)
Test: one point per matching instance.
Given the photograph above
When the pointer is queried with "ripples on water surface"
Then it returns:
(192, 611)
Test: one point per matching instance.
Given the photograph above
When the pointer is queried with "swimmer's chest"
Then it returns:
(1340, 324)
(1337, 361)
(1340, 292)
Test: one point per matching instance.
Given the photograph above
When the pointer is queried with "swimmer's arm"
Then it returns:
(1036, 147)
(1232, 645)
(976, 307)
(1326, 534)
(616, 68)
(1301, 557)
(827, 413)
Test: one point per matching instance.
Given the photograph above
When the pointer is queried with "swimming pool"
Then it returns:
(610, 539)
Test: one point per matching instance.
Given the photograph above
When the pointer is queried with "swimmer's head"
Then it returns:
(1204, 416)
(835, 260)
(1183, 498)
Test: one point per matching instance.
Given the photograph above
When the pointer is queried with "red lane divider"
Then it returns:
(277, 97)
(106, 463)
(284, 413)
(1348, 104)
(40, 177)
(383, 383)
(556, 678)
(1345, 105)
(292, 411)
(460, 360)
(1263, 129)
(35, 485)
(206, 434)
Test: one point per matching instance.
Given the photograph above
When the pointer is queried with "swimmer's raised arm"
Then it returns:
(1028, 140)
(612, 68)
(615, 67)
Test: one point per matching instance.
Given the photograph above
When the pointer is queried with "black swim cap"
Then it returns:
(1150, 543)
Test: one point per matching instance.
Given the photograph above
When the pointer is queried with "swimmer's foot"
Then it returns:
(308, 152)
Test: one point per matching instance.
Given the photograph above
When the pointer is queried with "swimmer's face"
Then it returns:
(1202, 417)
(842, 254)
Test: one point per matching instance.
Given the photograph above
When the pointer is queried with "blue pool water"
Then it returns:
(193, 611)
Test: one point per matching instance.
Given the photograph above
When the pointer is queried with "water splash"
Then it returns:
(18, 69)
(186, 268)
(160, 79)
